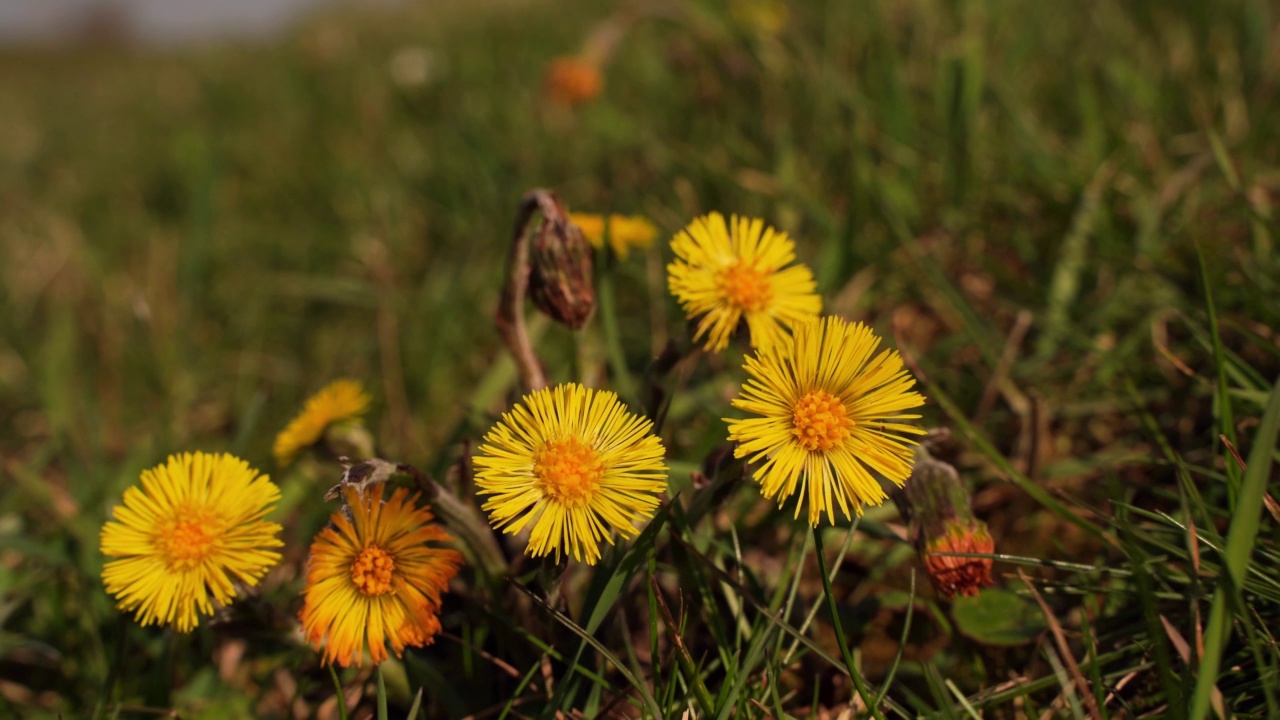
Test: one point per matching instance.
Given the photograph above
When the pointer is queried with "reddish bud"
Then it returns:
(953, 575)
(942, 522)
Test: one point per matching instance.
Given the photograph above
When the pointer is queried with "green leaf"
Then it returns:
(997, 617)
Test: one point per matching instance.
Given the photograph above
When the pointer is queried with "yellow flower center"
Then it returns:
(186, 542)
(568, 470)
(745, 287)
(371, 572)
(819, 421)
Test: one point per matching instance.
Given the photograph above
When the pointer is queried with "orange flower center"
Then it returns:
(371, 572)
(746, 287)
(187, 542)
(568, 470)
(819, 421)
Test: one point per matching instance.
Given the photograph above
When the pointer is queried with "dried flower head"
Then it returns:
(725, 274)
(560, 272)
(576, 464)
(828, 411)
(186, 537)
(375, 577)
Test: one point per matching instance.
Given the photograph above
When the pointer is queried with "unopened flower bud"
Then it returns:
(941, 523)
(560, 280)
(953, 575)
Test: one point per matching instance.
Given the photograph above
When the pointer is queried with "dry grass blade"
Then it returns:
(1000, 376)
(1064, 649)
(687, 664)
(1272, 506)
(1184, 652)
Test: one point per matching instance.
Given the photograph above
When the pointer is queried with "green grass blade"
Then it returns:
(621, 380)
(1240, 539)
(755, 654)
(515, 696)
(600, 647)
(983, 445)
(902, 642)
(1222, 401)
(415, 709)
(1072, 263)
(693, 677)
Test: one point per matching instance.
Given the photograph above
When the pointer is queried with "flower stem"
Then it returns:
(337, 687)
(510, 318)
(867, 699)
(382, 695)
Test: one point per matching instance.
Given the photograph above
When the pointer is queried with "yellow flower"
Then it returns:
(725, 277)
(194, 529)
(575, 463)
(625, 232)
(372, 579)
(828, 409)
(338, 401)
(767, 17)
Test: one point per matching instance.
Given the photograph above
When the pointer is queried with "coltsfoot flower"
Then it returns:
(828, 411)
(624, 231)
(339, 401)
(724, 274)
(373, 579)
(576, 464)
(186, 537)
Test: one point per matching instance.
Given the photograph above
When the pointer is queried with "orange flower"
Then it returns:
(373, 579)
(573, 80)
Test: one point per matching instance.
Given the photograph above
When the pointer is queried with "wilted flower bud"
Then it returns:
(942, 522)
(560, 282)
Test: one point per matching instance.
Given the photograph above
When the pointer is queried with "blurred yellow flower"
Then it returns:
(625, 232)
(768, 17)
(575, 463)
(724, 274)
(193, 530)
(340, 400)
(828, 414)
(372, 578)
(573, 80)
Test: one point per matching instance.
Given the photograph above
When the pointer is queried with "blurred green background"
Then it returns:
(192, 239)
